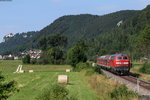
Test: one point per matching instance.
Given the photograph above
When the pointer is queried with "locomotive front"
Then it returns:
(122, 64)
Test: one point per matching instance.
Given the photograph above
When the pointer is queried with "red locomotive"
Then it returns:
(118, 63)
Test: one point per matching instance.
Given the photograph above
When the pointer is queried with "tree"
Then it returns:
(6, 88)
(43, 43)
(26, 59)
(55, 55)
(57, 40)
(144, 41)
(75, 55)
(53, 47)
(82, 44)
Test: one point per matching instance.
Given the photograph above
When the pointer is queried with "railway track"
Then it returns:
(135, 84)
(137, 81)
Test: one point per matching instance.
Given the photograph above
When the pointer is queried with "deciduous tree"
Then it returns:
(6, 88)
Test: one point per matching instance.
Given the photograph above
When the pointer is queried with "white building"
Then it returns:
(6, 37)
(25, 36)
(1, 57)
(34, 54)
(10, 56)
(16, 58)
(9, 35)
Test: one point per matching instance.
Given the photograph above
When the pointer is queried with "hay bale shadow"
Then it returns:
(70, 84)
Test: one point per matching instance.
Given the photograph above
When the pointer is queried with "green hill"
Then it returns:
(85, 26)
(75, 27)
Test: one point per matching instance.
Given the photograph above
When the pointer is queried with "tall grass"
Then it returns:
(92, 70)
(101, 85)
(122, 93)
(145, 68)
(109, 90)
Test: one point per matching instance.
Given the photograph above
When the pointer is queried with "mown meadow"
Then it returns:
(31, 85)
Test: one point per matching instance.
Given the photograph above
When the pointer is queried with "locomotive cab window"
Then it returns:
(119, 58)
(125, 58)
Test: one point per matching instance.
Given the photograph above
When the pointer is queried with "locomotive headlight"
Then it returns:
(118, 62)
(126, 62)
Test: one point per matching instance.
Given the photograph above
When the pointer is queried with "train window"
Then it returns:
(125, 58)
(112, 57)
(119, 58)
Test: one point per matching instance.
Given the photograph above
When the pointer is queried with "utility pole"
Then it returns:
(138, 85)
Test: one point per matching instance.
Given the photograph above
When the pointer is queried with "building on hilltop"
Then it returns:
(9, 35)
(6, 37)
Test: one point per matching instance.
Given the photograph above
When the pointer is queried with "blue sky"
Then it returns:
(32, 15)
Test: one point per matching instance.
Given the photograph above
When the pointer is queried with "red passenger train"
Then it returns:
(118, 63)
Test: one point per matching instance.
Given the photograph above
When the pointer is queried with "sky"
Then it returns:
(18, 16)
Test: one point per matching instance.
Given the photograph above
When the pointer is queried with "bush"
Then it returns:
(93, 70)
(122, 93)
(59, 92)
(6, 88)
(145, 68)
(33, 61)
(56, 92)
(98, 70)
(90, 72)
(81, 66)
(26, 59)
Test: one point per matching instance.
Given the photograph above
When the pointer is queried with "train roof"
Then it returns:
(104, 56)
(119, 54)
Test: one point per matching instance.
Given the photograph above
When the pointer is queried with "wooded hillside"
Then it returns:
(101, 33)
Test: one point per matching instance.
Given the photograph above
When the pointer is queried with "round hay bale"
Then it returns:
(93, 64)
(21, 71)
(63, 79)
(68, 70)
(30, 71)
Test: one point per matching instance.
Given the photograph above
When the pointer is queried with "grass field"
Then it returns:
(32, 84)
(46, 68)
(9, 66)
